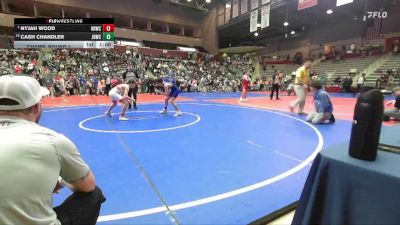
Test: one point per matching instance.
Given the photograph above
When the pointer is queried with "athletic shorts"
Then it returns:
(115, 96)
(174, 93)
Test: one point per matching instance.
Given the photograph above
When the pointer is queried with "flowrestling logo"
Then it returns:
(377, 14)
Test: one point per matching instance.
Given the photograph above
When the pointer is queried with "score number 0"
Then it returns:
(108, 27)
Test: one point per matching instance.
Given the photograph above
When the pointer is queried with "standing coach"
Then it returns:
(301, 87)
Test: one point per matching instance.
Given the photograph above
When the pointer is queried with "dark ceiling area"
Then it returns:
(200, 5)
(237, 32)
(26, 8)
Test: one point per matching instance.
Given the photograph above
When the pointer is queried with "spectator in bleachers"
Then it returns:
(298, 58)
(378, 81)
(338, 80)
(391, 81)
(18, 68)
(203, 84)
(94, 85)
(395, 112)
(82, 85)
(344, 48)
(100, 63)
(396, 47)
(383, 79)
(48, 83)
(397, 76)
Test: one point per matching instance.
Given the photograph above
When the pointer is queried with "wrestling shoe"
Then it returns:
(179, 113)
(332, 119)
(123, 118)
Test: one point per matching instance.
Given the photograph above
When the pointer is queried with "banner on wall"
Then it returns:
(263, 2)
(254, 4)
(243, 6)
(235, 8)
(304, 4)
(253, 21)
(265, 12)
(374, 29)
(227, 12)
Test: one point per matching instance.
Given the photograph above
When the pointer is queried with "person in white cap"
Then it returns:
(36, 162)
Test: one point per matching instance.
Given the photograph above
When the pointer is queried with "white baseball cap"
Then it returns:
(26, 91)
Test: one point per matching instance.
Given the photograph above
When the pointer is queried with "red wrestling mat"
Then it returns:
(343, 107)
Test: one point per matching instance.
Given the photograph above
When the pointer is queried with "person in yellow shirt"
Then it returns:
(301, 86)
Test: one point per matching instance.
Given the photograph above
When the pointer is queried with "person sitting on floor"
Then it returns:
(393, 113)
(322, 103)
(36, 162)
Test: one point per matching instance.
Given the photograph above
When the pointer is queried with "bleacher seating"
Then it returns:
(393, 63)
(334, 69)
(330, 70)
(286, 68)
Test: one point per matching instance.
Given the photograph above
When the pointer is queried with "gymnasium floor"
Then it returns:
(222, 162)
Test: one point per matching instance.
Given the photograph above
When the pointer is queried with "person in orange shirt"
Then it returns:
(300, 87)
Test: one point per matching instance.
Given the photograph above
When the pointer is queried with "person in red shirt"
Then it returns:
(245, 86)
(18, 69)
(34, 62)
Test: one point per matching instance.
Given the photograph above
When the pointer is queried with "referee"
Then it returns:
(133, 90)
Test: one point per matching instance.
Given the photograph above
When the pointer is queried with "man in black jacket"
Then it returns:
(150, 86)
(133, 94)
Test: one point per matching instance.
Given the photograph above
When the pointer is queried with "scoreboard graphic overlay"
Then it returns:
(64, 33)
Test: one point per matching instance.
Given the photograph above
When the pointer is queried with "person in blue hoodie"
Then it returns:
(323, 105)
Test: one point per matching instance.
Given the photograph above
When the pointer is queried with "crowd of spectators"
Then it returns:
(95, 72)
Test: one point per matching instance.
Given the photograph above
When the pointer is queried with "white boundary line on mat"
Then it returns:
(233, 193)
(81, 125)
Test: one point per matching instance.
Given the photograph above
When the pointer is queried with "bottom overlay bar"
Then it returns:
(63, 44)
